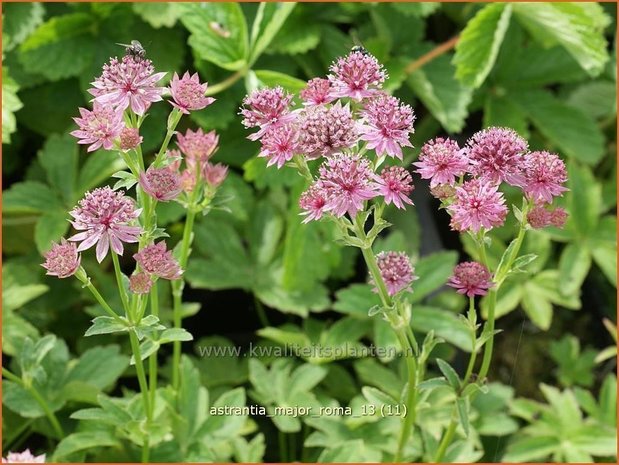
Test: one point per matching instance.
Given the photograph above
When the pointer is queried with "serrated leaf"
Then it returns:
(29, 197)
(269, 20)
(574, 266)
(175, 334)
(50, 227)
(10, 104)
(84, 440)
(105, 325)
(19, 20)
(449, 373)
(59, 160)
(158, 14)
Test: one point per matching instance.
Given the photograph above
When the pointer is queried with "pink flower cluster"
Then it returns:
(157, 261)
(467, 180)
(395, 270)
(23, 457)
(471, 279)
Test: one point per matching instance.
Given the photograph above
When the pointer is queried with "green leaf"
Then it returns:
(274, 78)
(105, 325)
(463, 414)
(175, 334)
(421, 9)
(537, 306)
(445, 97)
(579, 30)
(218, 33)
(449, 373)
(99, 166)
(305, 378)
(15, 296)
(605, 256)
(479, 43)
(61, 47)
(574, 266)
(530, 449)
(84, 440)
(99, 366)
(269, 20)
(249, 452)
(160, 14)
(377, 397)
(29, 197)
(583, 200)
(598, 99)
(19, 20)
(433, 271)
(50, 227)
(296, 36)
(225, 426)
(59, 160)
(10, 104)
(501, 111)
(566, 127)
(355, 300)
(444, 324)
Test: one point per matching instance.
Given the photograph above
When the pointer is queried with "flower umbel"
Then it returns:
(358, 76)
(163, 184)
(103, 216)
(62, 260)
(313, 202)
(140, 283)
(214, 174)
(266, 108)
(545, 175)
(188, 93)
(326, 130)
(471, 279)
(478, 204)
(130, 138)
(198, 146)
(442, 161)
(157, 260)
(279, 145)
(540, 217)
(396, 271)
(99, 127)
(316, 92)
(23, 457)
(395, 184)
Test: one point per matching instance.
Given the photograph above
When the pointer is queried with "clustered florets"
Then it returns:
(471, 279)
(396, 271)
(158, 261)
(23, 457)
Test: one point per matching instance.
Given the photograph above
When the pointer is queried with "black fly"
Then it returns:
(134, 49)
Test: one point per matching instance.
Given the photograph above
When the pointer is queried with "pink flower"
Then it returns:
(130, 138)
(163, 184)
(140, 283)
(62, 260)
(348, 182)
(173, 159)
(23, 457)
(197, 146)
(316, 92)
(326, 130)
(214, 174)
(128, 83)
(266, 108)
(357, 76)
(396, 271)
(540, 217)
(478, 204)
(442, 161)
(389, 124)
(544, 173)
(157, 260)
(98, 127)
(313, 203)
(497, 154)
(471, 278)
(103, 216)
(188, 180)
(188, 93)
(395, 184)
(279, 145)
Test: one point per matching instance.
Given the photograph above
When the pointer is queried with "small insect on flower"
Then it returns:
(134, 49)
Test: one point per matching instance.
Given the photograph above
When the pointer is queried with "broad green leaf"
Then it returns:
(249, 451)
(574, 266)
(20, 401)
(421, 9)
(445, 97)
(59, 160)
(305, 378)
(175, 334)
(220, 362)
(15, 296)
(225, 426)
(479, 43)
(350, 451)
(579, 30)
(218, 33)
(296, 36)
(501, 111)
(158, 14)
(284, 337)
(606, 258)
(50, 227)
(537, 306)
(192, 401)
(598, 99)
(99, 366)
(531, 449)
(10, 104)
(61, 47)
(97, 168)
(444, 324)
(265, 231)
(377, 397)
(583, 200)
(356, 300)
(29, 197)
(105, 325)
(274, 78)
(433, 271)
(84, 440)
(269, 20)
(19, 20)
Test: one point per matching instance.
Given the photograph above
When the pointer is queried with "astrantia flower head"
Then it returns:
(388, 126)
(326, 130)
(471, 279)
(23, 457)
(317, 92)
(396, 271)
(497, 154)
(104, 217)
(140, 283)
(157, 260)
(266, 108)
(163, 184)
(313, 202)
(348, 181)
(214, 174)
(357, 75)
(62, 260)
(540, 217)
(279, 144)
(545, 175)
(197, 146)
(395, 184)
(128, 83)
(188, 93)
(99, 127)
(442, 161)
(130, 138)
(478, 204)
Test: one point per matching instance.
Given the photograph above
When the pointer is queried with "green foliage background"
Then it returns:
(545, 69)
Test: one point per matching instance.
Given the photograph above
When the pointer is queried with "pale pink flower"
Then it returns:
(23, 457)
(544, 175)
(478, 204)
(471, 279)
(163, 184)
(157, 260)
(442, 161)
(214, 174)
(173, 159)
(104, 217)
(197, 146)
(188, 93)
(62, 260)
(388, 125)
(316, 92)
(279, 145)
(188, 180)
(540, 217)
(140, 283)
(128, 83)
(357, 75)
(395, 185)
(396, 271)
(326, 130)
(99, 127)
(130, 138)
(348, 181)
(497, 154)
(266, 108)
(313, 203)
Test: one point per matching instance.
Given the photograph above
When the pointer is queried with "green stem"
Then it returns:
(447, 438)
(139, 367)
(228, 82)
(262, 316)
(283, 454)
(40, 400)
(152, 361)
(120, 284)
(88, 285)
(173, 120)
